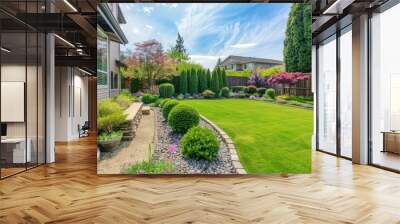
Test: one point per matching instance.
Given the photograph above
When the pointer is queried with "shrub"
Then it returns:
(180, 97)
(149, 98)
(275, 70)
(166, 90)
(111, 116)
(108, 106)
(168, 107)
(135, 85)
(208, 94)
(261, 91)
(244, 73)
(123, 101)
(199, 143)
(156, 103)
(251, 89)
(151, 166)
(163, 102)
(271, 93)
(236, 89)
(225, 92)
(103, 136)
(182, 118)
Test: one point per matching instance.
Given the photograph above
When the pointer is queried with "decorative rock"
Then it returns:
(146, 110)
(241, 171)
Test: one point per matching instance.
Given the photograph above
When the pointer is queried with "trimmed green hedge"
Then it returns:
(166, 90)
(168, 106)
(199, 143)
(182, 118)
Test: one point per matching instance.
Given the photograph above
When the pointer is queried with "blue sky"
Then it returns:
(210, 31)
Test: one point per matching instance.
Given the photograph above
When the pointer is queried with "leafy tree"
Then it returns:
(179, 47)
(202, 80)
(179, 57)
(150, 63)
(297, 44)
(183, 83)
(208, 75)
(215, 82)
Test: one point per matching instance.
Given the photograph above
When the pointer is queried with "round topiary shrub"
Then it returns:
(271, 93)
(251, 89)
(166, 90)
(208, 94)
(225, 92)
(261, 91)
(163, 102)
(199, 143)
(149, 98)
(168, 107)
(182, 118)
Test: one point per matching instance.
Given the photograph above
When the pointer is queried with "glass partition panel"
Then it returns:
(327, 95)
(385, 89)
(346, 93)
(14, 153)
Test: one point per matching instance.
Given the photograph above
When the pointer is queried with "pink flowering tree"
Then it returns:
(286, 79)
(149, 62)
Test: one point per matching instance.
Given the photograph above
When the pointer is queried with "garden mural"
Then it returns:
(211, 89)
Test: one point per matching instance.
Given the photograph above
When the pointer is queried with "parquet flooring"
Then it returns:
(70, 191)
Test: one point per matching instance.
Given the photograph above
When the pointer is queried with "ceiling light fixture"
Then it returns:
(70, 5)
(5, 50)
(86, 72)
(64, 40)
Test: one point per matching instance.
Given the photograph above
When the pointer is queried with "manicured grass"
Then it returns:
(269, 138)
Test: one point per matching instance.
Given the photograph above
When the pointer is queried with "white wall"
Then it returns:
(71, 87)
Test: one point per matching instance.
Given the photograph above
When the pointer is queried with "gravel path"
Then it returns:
(221, 165)
(131, 152)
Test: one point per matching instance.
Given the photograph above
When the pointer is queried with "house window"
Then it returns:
(102, 48)
(114, 80)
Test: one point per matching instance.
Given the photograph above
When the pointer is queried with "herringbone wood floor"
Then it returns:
(69, 191)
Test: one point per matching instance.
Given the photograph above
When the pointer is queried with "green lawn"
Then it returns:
(269, 138)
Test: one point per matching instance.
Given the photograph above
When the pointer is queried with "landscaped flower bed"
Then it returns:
(167, 149)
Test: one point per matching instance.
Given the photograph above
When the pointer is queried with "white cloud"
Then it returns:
(246, 45)
(208, 61)
(174, 5)
(148, 26)
(135, 30)
(148, 10)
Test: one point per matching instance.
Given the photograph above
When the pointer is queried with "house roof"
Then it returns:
(233, 59)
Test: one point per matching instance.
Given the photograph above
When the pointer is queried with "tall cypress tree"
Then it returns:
(176, 81)
(208, 74)
(224, 81)
(297, 44)
(215, 82)
(220, 81)
(202, 80)
(195, 80)
(183, 82)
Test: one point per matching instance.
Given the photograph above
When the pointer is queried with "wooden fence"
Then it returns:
(236, 81)
(302, 88)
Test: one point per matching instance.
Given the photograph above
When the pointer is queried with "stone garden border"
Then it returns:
(231, 146)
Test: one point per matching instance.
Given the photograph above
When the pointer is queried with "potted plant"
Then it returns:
(111, 118)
